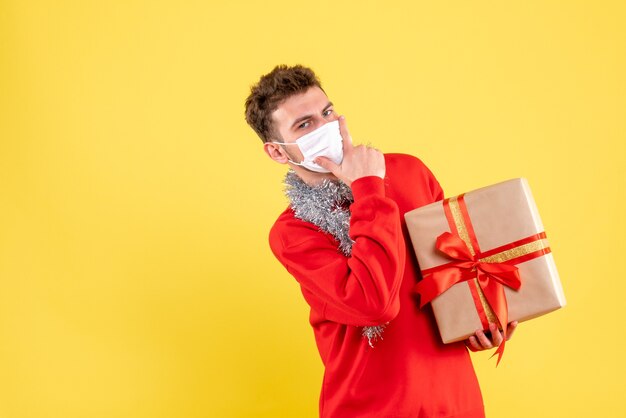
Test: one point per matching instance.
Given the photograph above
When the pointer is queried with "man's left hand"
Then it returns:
(480, 341)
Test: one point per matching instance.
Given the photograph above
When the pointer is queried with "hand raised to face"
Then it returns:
(358, 161)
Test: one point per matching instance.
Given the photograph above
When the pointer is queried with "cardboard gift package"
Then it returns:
(484, 257)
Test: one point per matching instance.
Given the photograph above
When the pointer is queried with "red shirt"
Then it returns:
(410, 372)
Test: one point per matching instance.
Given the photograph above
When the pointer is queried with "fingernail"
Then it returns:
(342, 117)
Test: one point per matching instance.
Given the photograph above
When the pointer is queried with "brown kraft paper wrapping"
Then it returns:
(500, 214)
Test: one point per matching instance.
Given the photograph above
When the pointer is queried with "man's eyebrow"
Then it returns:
(305, 117)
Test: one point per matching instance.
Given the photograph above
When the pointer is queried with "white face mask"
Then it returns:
(325, 141)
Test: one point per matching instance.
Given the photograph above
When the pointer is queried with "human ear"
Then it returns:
(276, 152)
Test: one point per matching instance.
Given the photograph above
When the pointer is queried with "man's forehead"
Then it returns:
(311, 101)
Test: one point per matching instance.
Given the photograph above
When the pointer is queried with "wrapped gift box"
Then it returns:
(472, 248)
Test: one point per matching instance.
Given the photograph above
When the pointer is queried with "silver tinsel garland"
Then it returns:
(326, 206)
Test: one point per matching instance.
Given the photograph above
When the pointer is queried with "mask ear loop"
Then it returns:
(291, 161)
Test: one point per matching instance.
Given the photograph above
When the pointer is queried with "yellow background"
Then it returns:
(136, 278)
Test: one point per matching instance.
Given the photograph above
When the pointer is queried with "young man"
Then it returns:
(344, 239)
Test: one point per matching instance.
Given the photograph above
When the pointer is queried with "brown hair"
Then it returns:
(272, 89)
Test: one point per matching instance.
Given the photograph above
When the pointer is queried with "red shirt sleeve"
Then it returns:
(435, 187)
(362, 289)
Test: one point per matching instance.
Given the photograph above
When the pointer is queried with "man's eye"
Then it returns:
(328, 112)
(303, 125)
